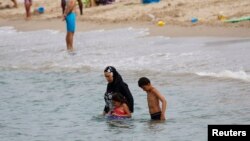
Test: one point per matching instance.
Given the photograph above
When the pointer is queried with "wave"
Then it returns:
(240, 75)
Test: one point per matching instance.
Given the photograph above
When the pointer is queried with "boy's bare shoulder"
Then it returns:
(154, 90)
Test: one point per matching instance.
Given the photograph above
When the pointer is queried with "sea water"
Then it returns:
(47, 94)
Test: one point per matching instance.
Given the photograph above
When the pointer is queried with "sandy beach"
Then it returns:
(49, 93)
(176, 14)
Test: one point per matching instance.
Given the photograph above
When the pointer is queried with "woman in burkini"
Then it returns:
(120, 107)
(116, 85)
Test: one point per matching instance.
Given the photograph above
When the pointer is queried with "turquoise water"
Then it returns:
(47, 94)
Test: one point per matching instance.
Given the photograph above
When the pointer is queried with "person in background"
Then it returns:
(116, 85)
(28, 4)
(154, 98)
(70, 17)
(63, 5)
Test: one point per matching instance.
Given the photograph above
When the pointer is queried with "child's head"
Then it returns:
(118, 99)
(144, 83)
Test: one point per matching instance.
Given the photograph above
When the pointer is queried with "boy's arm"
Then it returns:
(163, 102)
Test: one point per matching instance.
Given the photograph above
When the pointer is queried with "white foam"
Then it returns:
(52, 31)
(7, 30)
(127, 48)
(187, 54)
(241, 75)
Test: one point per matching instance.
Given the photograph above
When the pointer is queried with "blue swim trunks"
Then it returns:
(71, 22)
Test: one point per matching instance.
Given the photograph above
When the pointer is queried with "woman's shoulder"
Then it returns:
(123, 84)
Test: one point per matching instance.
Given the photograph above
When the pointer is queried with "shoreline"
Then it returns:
(154, 30)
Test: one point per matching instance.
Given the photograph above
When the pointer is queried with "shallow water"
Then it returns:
(47, 94)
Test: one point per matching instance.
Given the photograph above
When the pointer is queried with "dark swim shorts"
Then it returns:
(156, 116)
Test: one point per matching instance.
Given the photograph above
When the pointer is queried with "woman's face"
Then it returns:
(109, 76)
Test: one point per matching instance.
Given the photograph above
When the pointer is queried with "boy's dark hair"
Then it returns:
(143, 81)
(118, 97)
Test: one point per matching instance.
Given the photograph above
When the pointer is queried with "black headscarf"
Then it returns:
(118, 85)
(117, 79)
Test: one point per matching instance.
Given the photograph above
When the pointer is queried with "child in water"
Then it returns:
(120, 107)
(154, 98)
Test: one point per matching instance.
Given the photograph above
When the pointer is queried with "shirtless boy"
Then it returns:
(154, 98)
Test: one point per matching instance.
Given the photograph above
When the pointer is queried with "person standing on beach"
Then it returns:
(116, 85)
(63, 5)
(70, 17)
(154, 98)
(27, 4)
